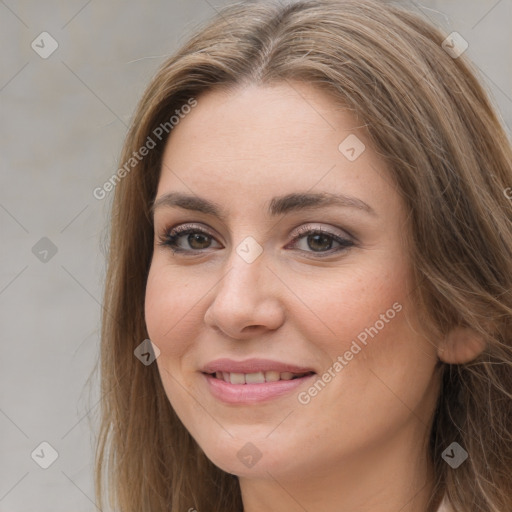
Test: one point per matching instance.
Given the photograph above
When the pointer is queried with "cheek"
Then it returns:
(173, 324)
(342, 309)
(380, 361)
(367, 319)
(170, 305)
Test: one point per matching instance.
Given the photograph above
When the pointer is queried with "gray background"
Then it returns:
(63, 123)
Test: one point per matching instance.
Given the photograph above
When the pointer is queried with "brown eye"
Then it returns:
(198, 241)
(186, 239)
(190, 239)
(320, 241)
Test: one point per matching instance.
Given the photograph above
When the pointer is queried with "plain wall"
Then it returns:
(63, 123)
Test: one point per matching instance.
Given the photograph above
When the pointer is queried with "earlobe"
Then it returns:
(461, 345)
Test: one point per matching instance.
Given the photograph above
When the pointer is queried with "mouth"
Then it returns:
(261, 377)
(253, 381)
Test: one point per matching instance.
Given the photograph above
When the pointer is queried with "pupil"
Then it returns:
(196, 237)
(321, 246)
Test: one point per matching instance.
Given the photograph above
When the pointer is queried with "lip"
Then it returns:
(252, 366)
(252, 393)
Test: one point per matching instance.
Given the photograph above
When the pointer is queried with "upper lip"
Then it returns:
(253, 365)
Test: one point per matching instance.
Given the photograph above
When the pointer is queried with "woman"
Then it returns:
(315, 236)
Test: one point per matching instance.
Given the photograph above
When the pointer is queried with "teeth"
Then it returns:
(237, 378)
(254, 378)
(271, 376)
(257, 377)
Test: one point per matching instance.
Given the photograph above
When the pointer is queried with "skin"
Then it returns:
(359, 445)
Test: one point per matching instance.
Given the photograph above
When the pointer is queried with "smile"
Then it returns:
(257, 377)
(253, 380)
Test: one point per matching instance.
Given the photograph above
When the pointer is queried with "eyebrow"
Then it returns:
(276, 206)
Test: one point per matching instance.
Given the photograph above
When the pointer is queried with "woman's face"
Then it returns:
(257, 293)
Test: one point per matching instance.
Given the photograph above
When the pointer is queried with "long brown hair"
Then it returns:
(430, 119)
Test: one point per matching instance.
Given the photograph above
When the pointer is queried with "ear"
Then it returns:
(461, 345)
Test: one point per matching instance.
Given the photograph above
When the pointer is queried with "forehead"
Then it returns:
(261, 142)
(283, 122)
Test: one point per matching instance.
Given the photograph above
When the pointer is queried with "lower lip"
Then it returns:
(252, 393)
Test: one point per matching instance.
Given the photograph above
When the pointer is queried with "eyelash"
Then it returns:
(170, 238)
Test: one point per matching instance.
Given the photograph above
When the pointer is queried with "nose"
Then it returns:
(246, 301)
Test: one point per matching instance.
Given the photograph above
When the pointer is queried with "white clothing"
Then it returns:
(444, 507)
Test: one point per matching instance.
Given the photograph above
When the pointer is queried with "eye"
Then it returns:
(189, 238)
(320, 241)
(196, 238)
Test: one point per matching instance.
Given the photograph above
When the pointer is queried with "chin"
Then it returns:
(252, 459)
